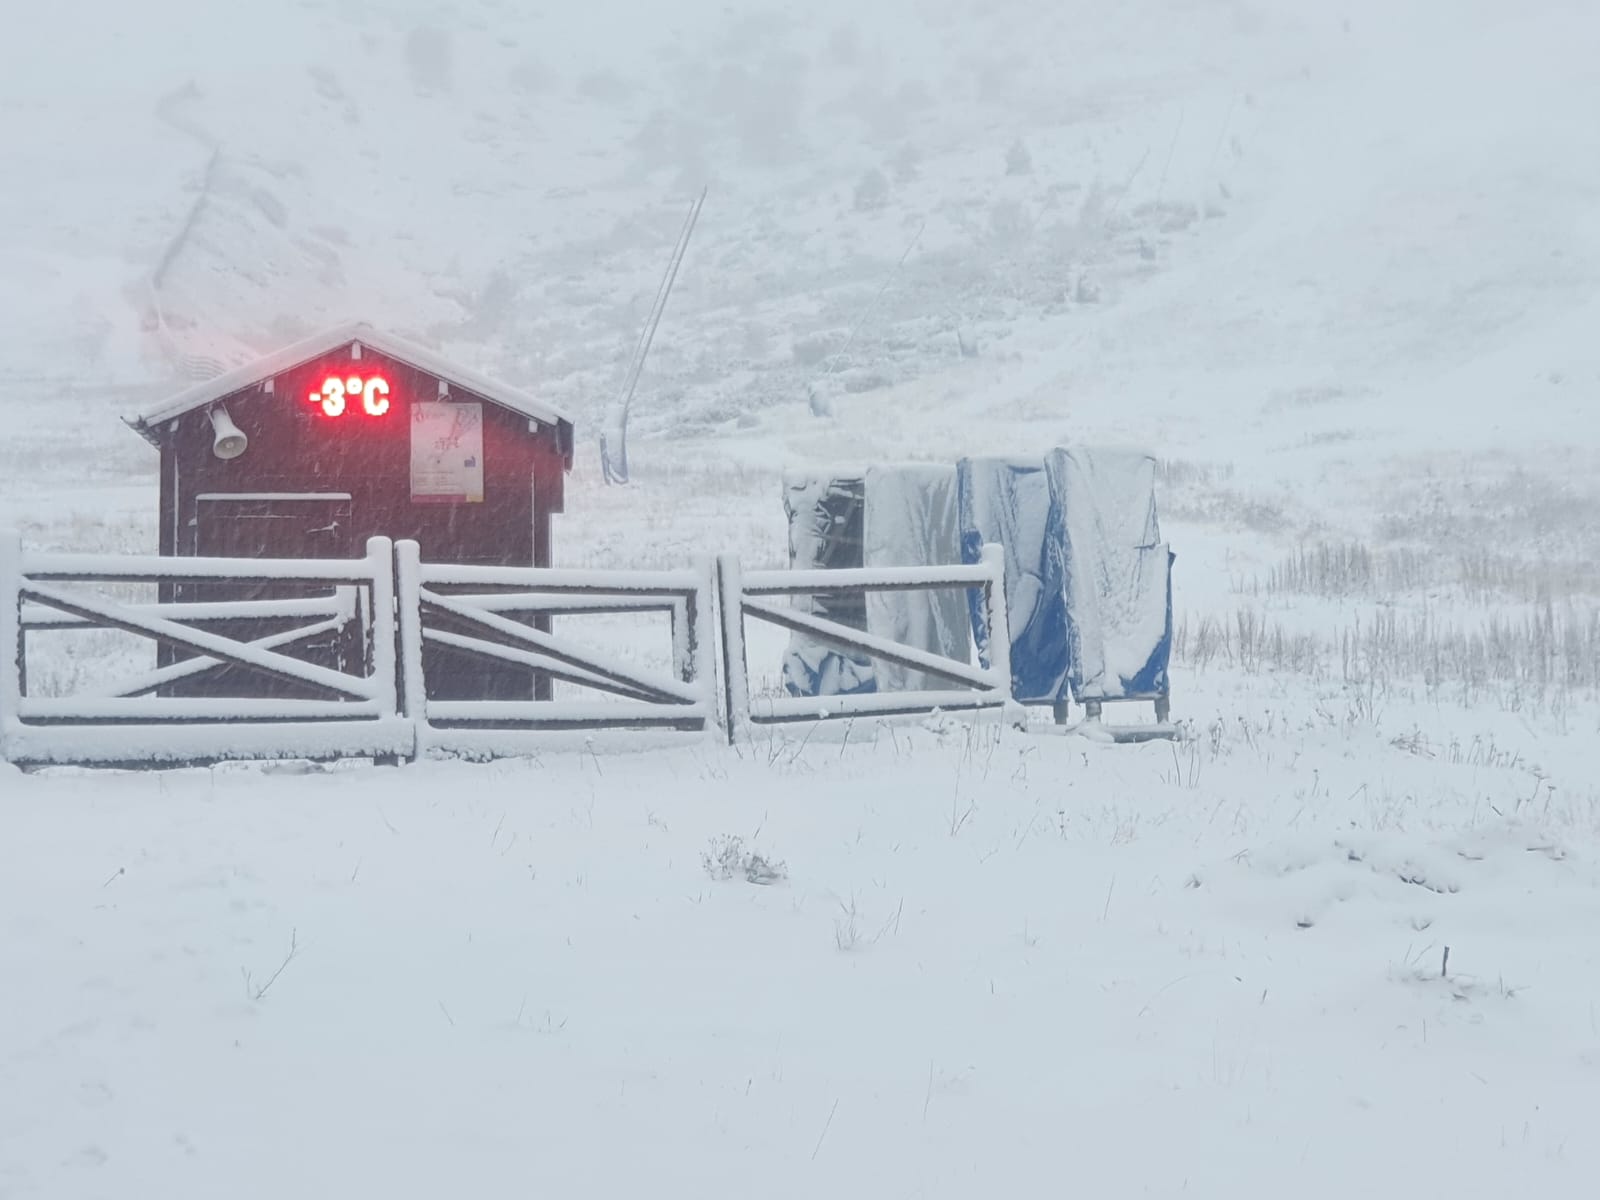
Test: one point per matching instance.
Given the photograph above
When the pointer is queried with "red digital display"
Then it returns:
(340, 391)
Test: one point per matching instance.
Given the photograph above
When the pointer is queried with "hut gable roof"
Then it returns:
(148, 422)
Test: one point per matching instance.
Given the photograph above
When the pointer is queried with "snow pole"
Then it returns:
(614, 454)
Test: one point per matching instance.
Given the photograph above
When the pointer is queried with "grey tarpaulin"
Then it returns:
(910, 521)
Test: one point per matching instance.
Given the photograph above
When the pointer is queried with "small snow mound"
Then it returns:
(727, 859)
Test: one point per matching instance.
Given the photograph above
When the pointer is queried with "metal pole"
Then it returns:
(615, 469)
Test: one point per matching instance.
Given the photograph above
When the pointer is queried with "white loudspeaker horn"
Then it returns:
(230, 442)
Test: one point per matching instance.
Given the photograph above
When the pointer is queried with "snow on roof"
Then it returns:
(316, 346)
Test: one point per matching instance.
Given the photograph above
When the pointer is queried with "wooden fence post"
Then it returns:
(735, 668)
(381, 635)
(408, 603)
(682, 615)
(11, 645)
(380, 561)
(997, 618)
(701, 650)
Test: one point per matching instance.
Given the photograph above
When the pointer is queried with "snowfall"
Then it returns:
(1336, 264)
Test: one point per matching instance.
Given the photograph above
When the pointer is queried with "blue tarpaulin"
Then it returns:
(1009, 501)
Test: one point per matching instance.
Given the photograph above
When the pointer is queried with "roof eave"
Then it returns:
(307, 349)
(140, 426)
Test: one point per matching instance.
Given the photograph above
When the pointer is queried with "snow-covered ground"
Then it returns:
(1336, 265)
(991, 965)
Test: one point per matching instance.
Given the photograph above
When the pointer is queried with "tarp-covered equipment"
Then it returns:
(1008, 501)
(1115, 571)
(910, 521)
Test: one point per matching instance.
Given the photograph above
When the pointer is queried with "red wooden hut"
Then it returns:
(352, 434)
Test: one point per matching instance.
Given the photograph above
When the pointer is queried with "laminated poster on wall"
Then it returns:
(447, 453)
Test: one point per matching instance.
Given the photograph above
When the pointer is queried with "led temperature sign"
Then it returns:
(338, 391)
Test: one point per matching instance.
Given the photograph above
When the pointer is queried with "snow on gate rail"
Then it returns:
(138, 720)
(437, 608)
(748, 595)
(392, 606)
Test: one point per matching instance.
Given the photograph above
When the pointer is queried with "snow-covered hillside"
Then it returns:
(1338, 265)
